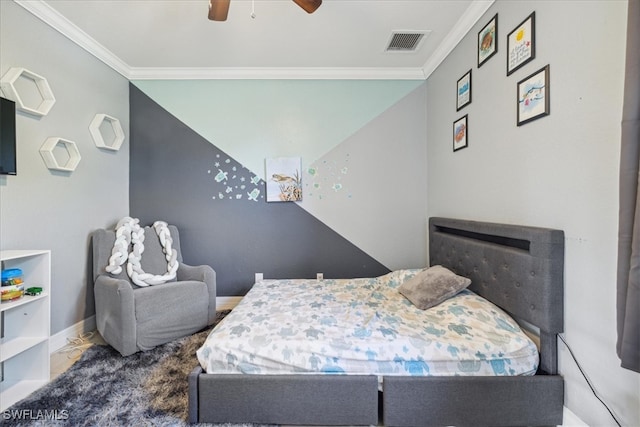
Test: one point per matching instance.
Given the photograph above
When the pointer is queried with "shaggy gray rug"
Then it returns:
(105, 389)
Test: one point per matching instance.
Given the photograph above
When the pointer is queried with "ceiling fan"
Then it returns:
(219, 9)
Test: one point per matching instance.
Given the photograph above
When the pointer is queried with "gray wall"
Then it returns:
(560, 171)
(42, 209)
(173, 172)
(382, 203)
(361, 143)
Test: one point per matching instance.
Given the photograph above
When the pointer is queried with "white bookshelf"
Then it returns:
(25, 328)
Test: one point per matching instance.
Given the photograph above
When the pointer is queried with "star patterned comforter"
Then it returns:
(364, 326)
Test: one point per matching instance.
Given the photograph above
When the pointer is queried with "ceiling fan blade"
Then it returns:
(309, 6)
(218, 10)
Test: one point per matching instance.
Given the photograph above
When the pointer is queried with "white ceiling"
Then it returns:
(144, 39)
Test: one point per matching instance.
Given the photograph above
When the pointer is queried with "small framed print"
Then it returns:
(463, 91)
(533, 96)
(521, 44)
(283, 179)
(460, 133)
(488, 41)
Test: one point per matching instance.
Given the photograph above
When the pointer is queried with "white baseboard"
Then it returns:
(59, 340)
(569, 419)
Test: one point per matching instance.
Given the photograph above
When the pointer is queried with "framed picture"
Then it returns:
(460, 133)
(284, 181)
(488, 41)
(521, 44)
(533, 96)
(463, 91)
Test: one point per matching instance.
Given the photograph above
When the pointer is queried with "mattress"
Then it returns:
(364, 326)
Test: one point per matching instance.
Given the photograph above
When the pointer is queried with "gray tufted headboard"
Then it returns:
(518, 268)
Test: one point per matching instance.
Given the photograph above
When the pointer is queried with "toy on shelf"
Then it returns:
(33, 291)
(12, 284)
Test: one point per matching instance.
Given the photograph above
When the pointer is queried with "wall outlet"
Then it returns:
(319, 276)
(259, 277)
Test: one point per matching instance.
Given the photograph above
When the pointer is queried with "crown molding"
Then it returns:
(474, 12)
(54, 19)
(257, 73)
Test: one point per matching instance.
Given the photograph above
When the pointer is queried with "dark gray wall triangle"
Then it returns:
(219, 207)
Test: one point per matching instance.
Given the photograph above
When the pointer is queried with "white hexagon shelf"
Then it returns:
(36, 100)
(110, 138)
(50, 149)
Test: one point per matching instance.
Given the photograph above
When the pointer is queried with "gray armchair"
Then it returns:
(132, 318)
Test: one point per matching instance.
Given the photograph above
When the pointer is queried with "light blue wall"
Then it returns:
(362, 144)
(221, 212)
(254, 119)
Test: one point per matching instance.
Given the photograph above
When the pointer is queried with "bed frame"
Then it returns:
(518, 268)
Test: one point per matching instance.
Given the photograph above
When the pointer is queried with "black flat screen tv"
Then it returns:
(7, 137)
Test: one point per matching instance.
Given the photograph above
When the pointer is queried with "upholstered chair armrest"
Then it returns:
(115, 313)
(201, 273)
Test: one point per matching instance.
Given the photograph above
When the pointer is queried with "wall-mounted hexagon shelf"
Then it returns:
(30, 91)
(107, 132)
(60, 154)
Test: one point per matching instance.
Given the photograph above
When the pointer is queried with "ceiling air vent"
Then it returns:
(405, 41)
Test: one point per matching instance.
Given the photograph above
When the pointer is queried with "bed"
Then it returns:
(518, 269)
